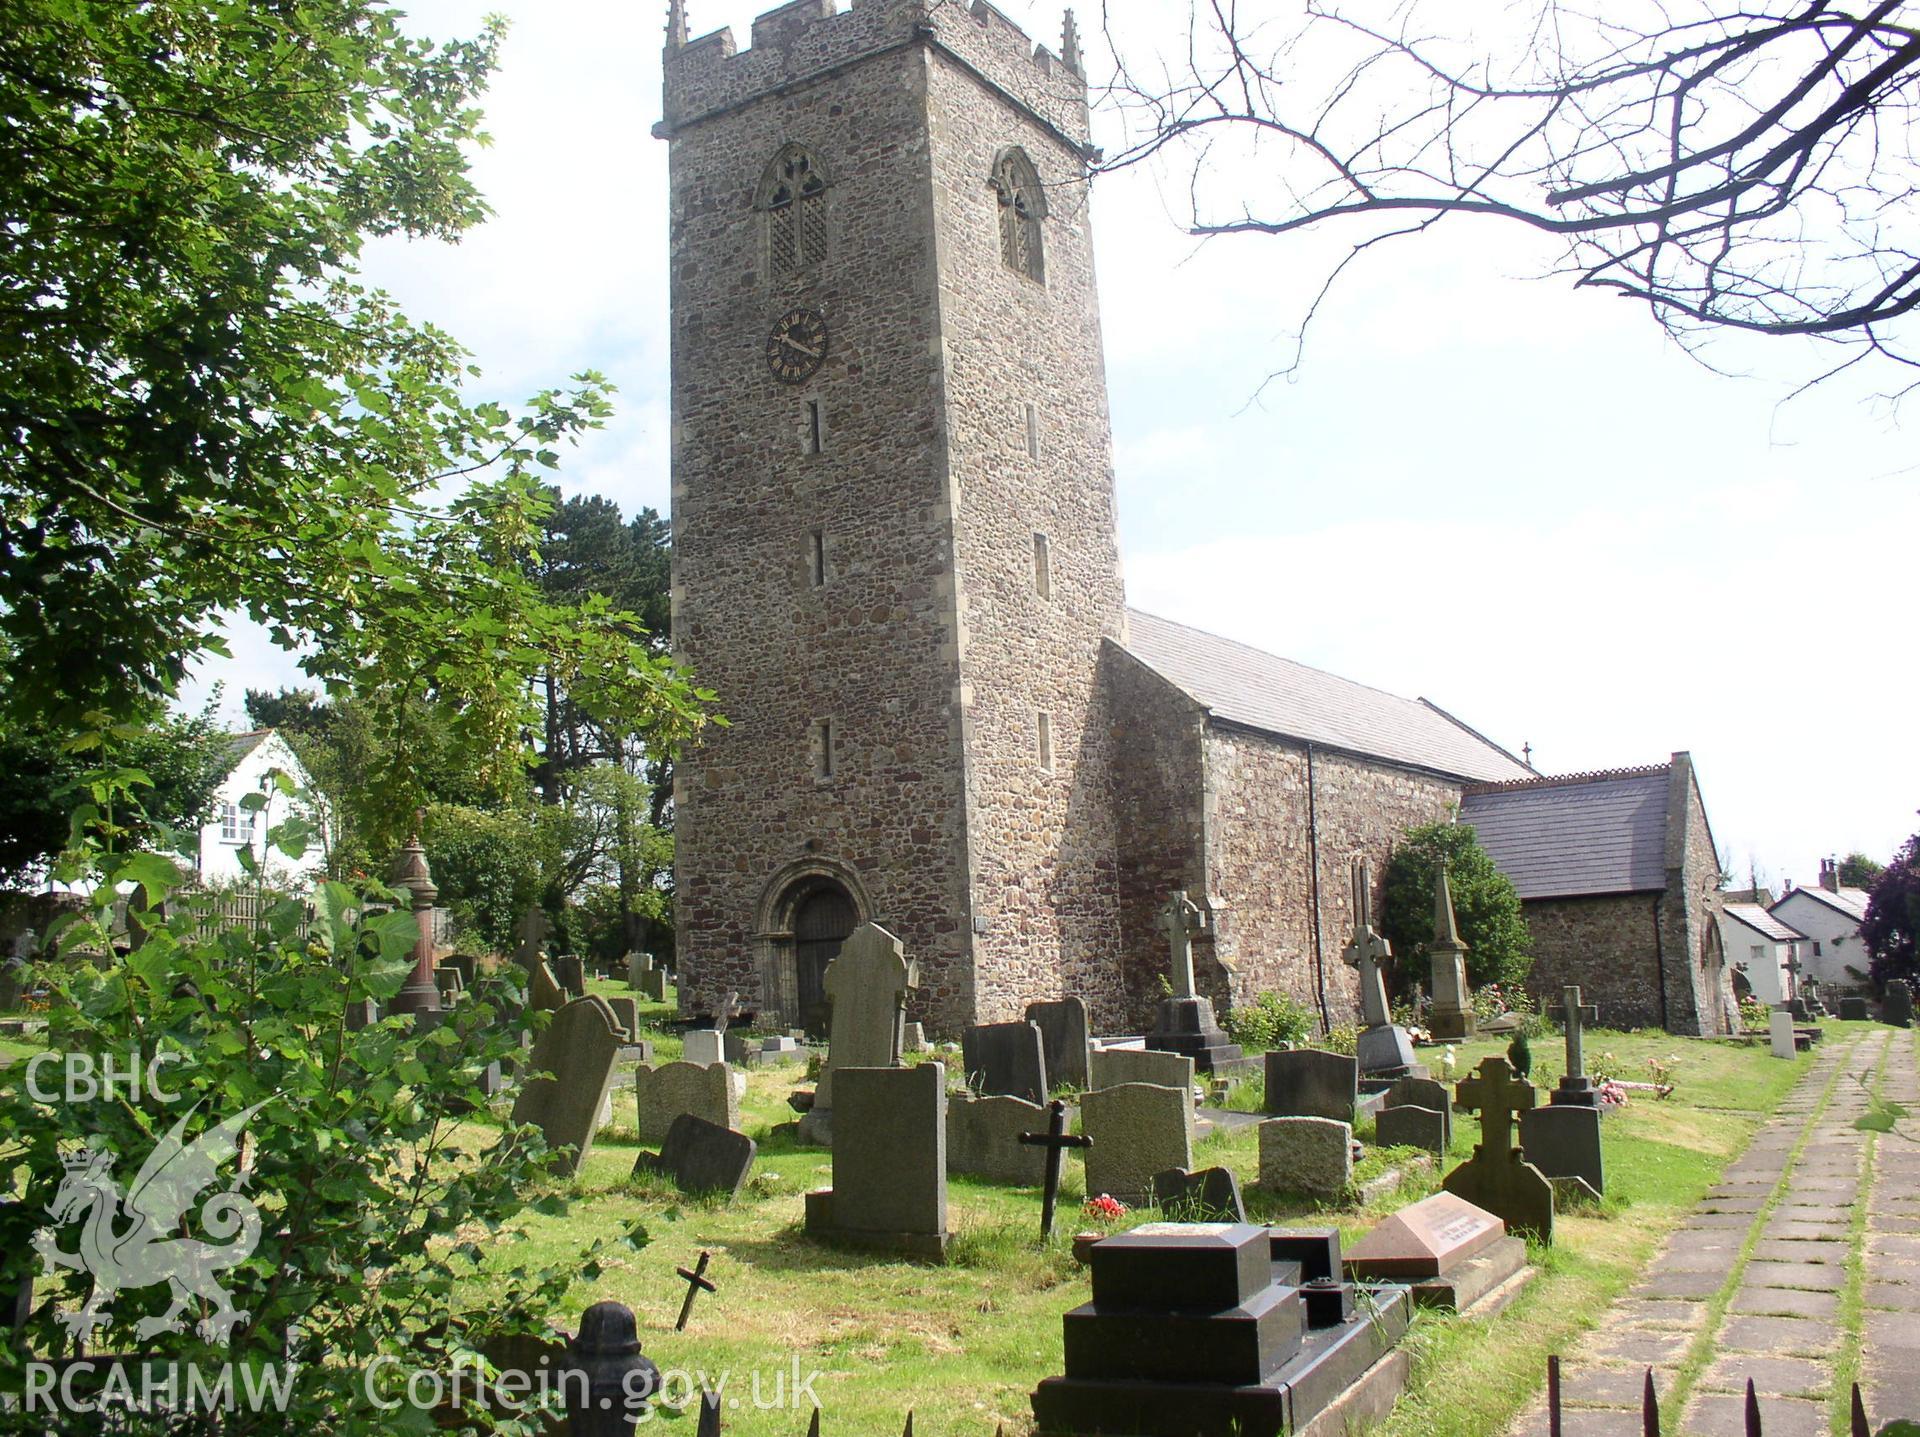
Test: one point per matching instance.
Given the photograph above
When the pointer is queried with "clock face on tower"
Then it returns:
(797, 346)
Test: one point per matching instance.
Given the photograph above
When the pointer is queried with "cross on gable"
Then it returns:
(1498, 1097)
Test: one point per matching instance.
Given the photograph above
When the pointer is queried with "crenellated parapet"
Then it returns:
(809, 40)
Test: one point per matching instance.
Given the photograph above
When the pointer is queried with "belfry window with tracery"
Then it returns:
(793, 194)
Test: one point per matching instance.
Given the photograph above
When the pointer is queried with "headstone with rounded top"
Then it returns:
(664, 1093)
(578, 1050)
(1138, 1130)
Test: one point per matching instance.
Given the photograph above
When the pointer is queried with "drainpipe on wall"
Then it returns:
(1313, 883)
(1660, 962)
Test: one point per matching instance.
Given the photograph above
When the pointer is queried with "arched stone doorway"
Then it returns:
(822, 920)
(806, 913)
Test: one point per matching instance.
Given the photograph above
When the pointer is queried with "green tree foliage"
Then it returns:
(384, 1209)
(204, 412)
(1859, 871)
(181, 759)
(1485, 906)
(1891, 930)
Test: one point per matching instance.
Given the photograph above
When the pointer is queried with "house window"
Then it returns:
(823, 755)
(793, 195)
(1023, 206)
(1042, 567)
(235, 826)
(1045, 727)
(1816, 947)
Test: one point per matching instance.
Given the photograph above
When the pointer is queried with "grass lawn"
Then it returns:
(963, 1345)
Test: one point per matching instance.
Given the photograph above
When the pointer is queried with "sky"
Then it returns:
(1480, 487)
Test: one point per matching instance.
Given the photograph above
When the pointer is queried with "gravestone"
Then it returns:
(1576, 1089)
(1896, 1008)
(451, 984)
(1138, 1130)
(702, 1157)
(626, 1012)
(1855, 1010)
(1307, 1157)
(578, 1049)
(665, 1092)
(1450, 1252)
(1420, 1093)
(638, 966)
(1563, 1141)
(1311, 1083)
(362, 1013)
(867, 983)
(531, 935)
(889, 1188)
(1497, 1177)
(913, 1039)
(1411, 1126)
(1780, 1033)
(1451, 1017)
(1210, 1329)
(544, 990)
(983, 1138)
(571, 974)
(1007, 1058)
(1384, 1049)
(1210, 1195)
(703, 1046)
(653, 984)
(1186, 1022)
(1110, 1067)
(466, 965)
(1065, 1037)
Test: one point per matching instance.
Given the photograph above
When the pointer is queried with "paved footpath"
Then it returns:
(1800, 1271)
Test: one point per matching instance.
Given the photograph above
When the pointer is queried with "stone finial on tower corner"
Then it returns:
(1070, 46)
(676, 22)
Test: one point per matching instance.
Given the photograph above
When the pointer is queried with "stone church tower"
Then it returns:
(895, 556)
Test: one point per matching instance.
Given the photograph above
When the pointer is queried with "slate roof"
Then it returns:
(1243, 685)
(1762, 922)
(1572, 837)
(1851, 902)
(239, 745)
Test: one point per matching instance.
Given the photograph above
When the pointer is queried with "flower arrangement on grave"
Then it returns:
(1613, 1094)
(1106, 1208)
(1661, 1071)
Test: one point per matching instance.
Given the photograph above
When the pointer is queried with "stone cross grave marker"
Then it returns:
(697, 1282)
(1576, 1088)
(1367, 950)
(1056, 1140)
(868, 985)
(1180, 920)
(1453, 1016)
(1497, 1177)
(531, 933)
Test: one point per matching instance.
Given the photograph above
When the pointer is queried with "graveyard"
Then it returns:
(962, 1343)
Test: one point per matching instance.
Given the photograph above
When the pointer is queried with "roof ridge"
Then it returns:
(1567, 780)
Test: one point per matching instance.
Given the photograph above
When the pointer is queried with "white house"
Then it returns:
(255, 757)
(1830, 916)
(1763, 950)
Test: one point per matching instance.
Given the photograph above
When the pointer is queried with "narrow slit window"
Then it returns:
(817, 558)
(1033, 432)
(823, 749)
(1045, 727)
(816, 428)
(1042, 566)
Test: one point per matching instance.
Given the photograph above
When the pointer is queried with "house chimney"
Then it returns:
(1830, 875)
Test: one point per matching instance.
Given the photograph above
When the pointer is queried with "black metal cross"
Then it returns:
(697, 1282)
(1056, 1140)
